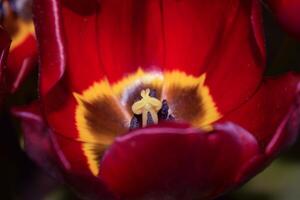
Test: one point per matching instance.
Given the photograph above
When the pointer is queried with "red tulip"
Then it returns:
(157, 99)
(287, 14)
(4, 46)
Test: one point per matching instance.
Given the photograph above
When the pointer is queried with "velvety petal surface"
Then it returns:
(177, 162)
(267, 113)
(224, 39)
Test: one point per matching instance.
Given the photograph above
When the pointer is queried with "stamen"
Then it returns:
(147, 104)
(149, 119)
(171, 118)
(164, 111)
(153, 93)
(135, 123)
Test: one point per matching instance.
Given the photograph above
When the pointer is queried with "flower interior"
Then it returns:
(107, 110)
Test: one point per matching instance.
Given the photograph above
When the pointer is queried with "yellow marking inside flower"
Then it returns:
(147, 105)
(86, 135)
(171, 85)
(25, 29)
(181, 81)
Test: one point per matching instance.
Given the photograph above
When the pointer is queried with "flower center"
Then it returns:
(106, 110)
(149, 110)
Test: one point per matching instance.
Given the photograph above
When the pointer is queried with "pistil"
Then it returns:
(149, 110)
(148, 106)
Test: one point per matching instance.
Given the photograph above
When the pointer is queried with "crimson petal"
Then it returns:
(131, 35)
(51, 50)
(269, 107)
(223, 39)
(37, 138)
(4, 47)
(181, 163)
(288, 130)
(41, 146)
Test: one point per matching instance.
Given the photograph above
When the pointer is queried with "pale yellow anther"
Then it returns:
(147, 105)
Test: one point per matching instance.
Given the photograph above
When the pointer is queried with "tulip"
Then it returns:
(156, 99)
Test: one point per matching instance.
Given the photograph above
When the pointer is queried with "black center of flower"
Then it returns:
(149, 110)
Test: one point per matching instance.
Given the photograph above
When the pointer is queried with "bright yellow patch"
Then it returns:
(118, 92)
(25, 29)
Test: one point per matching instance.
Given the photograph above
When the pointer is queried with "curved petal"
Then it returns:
(37, 139)
(288, 131)
(173, 161)
(52, 52)
(41, 147)
(285, 135)
(4, 47)
(270, 106)
(287, 14)
(50, 42)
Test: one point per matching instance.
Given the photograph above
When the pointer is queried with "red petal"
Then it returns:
(53, 60)
(287, 14)
(37, 138)
(130, 36)
(179, 163)
(4, 47)
(264, 112)
(288, 131)
(41, 146)
(50, 39)
(198, 32)
(235, 69)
